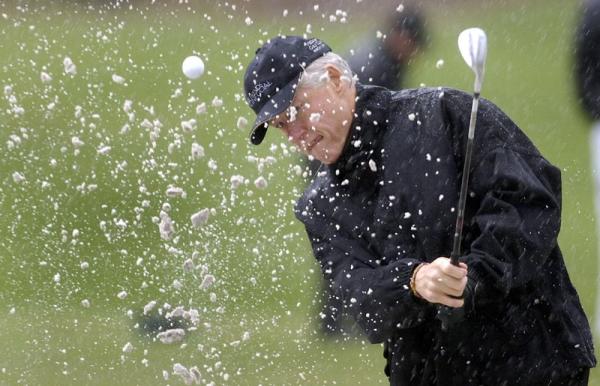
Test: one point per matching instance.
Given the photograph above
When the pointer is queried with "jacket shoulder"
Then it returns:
(422, 94)
(429, 101)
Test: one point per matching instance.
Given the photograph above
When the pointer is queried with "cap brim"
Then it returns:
(275, 106)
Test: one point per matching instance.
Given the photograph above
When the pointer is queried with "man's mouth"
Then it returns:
(314, 142)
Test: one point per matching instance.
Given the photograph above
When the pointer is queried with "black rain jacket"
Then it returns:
(388, 204)
(587, 58)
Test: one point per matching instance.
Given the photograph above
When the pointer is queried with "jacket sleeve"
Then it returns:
(516, 223)
(514, 208)
(377, 296)
(587, 58)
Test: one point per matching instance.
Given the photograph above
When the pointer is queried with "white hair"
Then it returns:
(316, 73)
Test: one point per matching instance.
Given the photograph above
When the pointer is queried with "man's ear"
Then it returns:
(335, 77)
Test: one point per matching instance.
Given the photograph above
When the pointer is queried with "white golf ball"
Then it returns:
(193, 67)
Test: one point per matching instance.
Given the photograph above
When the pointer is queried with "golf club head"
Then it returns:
(472, 44)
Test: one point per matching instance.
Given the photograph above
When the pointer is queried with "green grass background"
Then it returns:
(267, 282)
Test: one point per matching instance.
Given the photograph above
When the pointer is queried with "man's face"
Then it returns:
(318, 120)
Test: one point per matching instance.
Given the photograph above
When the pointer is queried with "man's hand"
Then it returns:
(442, 282)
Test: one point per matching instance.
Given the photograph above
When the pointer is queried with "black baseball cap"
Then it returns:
(271, 78)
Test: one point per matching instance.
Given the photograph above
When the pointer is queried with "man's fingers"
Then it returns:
(444, 264)
(445, 299)
(434, 290)
(452, 302)
(453, 288)
(450, 287)
(450, 284)
(441, 282)
(454, 271)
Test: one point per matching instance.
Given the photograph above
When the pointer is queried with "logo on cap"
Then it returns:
(257, 92)
(314, 45)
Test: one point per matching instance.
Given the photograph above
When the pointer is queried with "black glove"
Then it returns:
(449, 316)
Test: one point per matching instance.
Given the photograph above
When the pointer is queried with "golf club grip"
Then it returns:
(462, 198)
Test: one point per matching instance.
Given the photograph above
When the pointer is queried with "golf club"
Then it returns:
(472, 44)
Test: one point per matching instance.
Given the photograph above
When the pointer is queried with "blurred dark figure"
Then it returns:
(382, 61)
(587, 75)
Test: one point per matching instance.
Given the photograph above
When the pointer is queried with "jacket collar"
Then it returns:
(370, 118)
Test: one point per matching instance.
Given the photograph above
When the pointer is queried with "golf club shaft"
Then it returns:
(462, 198)
(445, 312)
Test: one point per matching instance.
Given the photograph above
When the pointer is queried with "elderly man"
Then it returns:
(381, 212)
